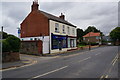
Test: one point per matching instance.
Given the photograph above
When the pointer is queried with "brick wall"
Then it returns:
(35, 24)
(31, 47)
(10, 56)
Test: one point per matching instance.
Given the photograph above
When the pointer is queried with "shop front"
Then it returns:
(58, 42)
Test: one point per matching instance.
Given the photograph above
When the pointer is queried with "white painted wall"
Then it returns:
(45, 41)
(46, 45)
(52, 29)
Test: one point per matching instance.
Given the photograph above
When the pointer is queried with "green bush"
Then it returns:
(14, 43)
(82, 43)
(5, 46)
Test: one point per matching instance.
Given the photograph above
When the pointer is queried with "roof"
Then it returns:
(91, 34)
(55, 18)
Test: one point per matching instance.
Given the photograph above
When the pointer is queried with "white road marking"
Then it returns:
(101, 76)
(49, 72)
(114, 60)
(97, 54)
(106, 76)
(84, 59)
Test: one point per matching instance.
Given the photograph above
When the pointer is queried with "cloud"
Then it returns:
(103, 15)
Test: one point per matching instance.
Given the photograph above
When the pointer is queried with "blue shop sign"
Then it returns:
(58, 37)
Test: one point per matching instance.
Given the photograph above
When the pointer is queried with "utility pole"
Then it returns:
(1, 38)
(1, 45)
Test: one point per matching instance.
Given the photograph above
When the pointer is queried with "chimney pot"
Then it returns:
(62, 16)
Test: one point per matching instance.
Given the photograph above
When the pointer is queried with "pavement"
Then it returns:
(23, 62)
(97, 63)
(31, 59)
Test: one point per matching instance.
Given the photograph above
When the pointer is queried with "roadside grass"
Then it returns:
(81, 45)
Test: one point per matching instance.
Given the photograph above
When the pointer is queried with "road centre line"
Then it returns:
(114, 60)
(49, 72)
(106, 76)
(103, 76)
(84, 59)
(97, 54)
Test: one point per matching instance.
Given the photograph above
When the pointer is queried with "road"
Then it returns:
(98, 63)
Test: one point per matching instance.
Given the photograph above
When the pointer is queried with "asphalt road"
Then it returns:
(98, 63)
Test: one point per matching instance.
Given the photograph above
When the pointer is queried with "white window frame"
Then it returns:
(73, 31)
(68, 30)
(57, 27)
(63, 29)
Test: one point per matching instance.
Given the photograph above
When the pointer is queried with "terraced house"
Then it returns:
(42, 32)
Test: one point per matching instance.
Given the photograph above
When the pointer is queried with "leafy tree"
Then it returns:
(115, 34)
(80, 34)
(14, 42)
(91, 29)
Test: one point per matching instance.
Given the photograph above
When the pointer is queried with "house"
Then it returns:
(92, 37)
(42, 32)
(107, 38)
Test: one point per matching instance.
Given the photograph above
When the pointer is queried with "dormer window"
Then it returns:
(57, 27)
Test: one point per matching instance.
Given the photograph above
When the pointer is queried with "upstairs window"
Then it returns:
(57, 27)
(97, 37)
(68, 30)
(73, 31)
(64, 29)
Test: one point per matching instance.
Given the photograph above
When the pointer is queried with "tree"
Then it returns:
(115, 34)
(80, 34)
(14, 43)
(5, 35)
(91, 29)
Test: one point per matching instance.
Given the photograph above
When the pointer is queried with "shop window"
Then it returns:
(55, 44)
(58, 42)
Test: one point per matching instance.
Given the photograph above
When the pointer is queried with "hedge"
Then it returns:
(11, 44)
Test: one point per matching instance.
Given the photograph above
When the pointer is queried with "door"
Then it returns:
(60, 44)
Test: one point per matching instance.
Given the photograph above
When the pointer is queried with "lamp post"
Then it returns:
(1, 37)
(1, 45)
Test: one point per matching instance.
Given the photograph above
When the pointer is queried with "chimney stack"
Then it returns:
(62, 16)
(35, 5)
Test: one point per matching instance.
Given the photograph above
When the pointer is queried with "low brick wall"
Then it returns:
(10, 57)
(31, 47)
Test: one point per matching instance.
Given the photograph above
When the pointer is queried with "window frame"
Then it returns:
(57, 27)
(63, 29)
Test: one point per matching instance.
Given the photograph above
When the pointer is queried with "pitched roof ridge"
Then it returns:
(50, 16)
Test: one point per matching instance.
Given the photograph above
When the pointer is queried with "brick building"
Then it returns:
(92, 37)
(46, 33)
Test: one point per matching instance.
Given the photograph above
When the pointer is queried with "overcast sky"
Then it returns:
(102, 15)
